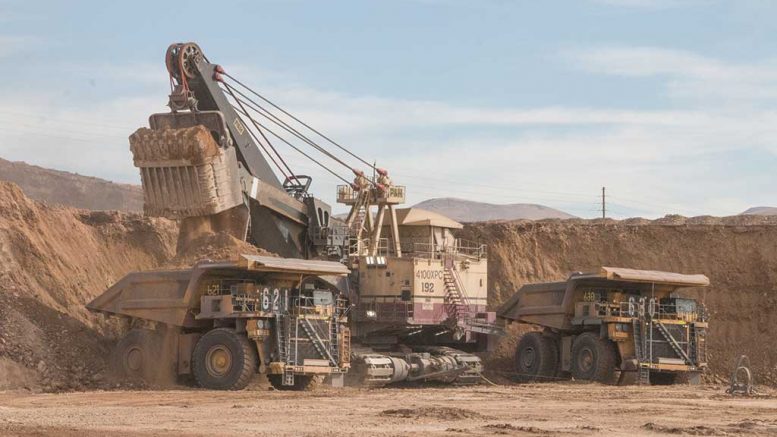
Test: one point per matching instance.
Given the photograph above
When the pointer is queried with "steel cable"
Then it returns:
(274, 119)
(260, 125)
(299, 121)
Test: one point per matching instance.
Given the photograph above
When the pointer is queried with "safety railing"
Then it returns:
(650, 308)
(394, 194)
(361, 247)
(461, 248)
(346, 193)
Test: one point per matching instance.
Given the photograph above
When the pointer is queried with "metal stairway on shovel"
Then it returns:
(456, 302)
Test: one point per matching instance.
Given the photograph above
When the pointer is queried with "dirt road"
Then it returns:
(547, 409)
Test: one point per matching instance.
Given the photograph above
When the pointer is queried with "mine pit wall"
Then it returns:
(740, 258)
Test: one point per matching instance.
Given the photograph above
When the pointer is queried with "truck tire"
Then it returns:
(593, 358)
(536, 358)
(301, 382)
(134, 355)
(224, 360)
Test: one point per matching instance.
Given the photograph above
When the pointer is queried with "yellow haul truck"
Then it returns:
(223, 322)
(615, 325)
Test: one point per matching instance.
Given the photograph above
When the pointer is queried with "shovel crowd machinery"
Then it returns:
(616, 325)
(417, 295)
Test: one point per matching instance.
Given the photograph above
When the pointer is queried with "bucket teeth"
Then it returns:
(184, 172)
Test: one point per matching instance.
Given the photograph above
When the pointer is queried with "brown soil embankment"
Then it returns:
(738, 254)
(53, 260)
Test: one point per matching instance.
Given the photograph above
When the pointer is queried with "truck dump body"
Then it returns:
(172, 296)
(637, 311)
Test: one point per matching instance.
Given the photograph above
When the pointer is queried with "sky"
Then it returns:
(669, 104)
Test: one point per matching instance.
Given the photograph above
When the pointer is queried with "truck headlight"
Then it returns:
(371, 314)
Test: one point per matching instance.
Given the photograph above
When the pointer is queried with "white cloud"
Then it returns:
(656, 161)
(688, 75)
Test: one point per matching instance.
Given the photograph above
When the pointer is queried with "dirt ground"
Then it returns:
(540, 409)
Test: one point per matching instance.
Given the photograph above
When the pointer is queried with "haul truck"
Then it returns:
(628, 323)
(223, 322)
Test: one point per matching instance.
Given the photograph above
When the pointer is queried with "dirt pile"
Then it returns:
(52, 261)
(739, 254)
(214, 246)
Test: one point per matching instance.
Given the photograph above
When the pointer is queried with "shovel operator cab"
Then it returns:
(615, 325)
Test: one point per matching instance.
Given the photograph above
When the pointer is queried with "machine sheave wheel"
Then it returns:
(224, 360)
(301, 382)
(134, 356)
(663, 378)
(536, 357)
(593, 358)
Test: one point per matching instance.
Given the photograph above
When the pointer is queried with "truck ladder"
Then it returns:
(693, 347)
(318, 343)
(640, 351)
(672, 342)
(345, 345)
(334, 340)
(284, 348)
(284, 340)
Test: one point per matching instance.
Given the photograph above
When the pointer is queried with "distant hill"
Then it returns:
(70, 189)
(761, 210)
(470, 211)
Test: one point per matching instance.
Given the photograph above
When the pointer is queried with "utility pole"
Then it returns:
(604, 204)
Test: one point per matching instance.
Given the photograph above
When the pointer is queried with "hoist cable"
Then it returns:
(269, 155)
(296, 148)
(300, 121)
(273, 118)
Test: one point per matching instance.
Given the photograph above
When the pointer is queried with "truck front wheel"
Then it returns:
(224, 360)
(593, 358)
(536, 357)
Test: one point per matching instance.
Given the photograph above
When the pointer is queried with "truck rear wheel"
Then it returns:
(134, 354)
(593, 358)
(301, 382)
(224, 360)
(536, 357)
